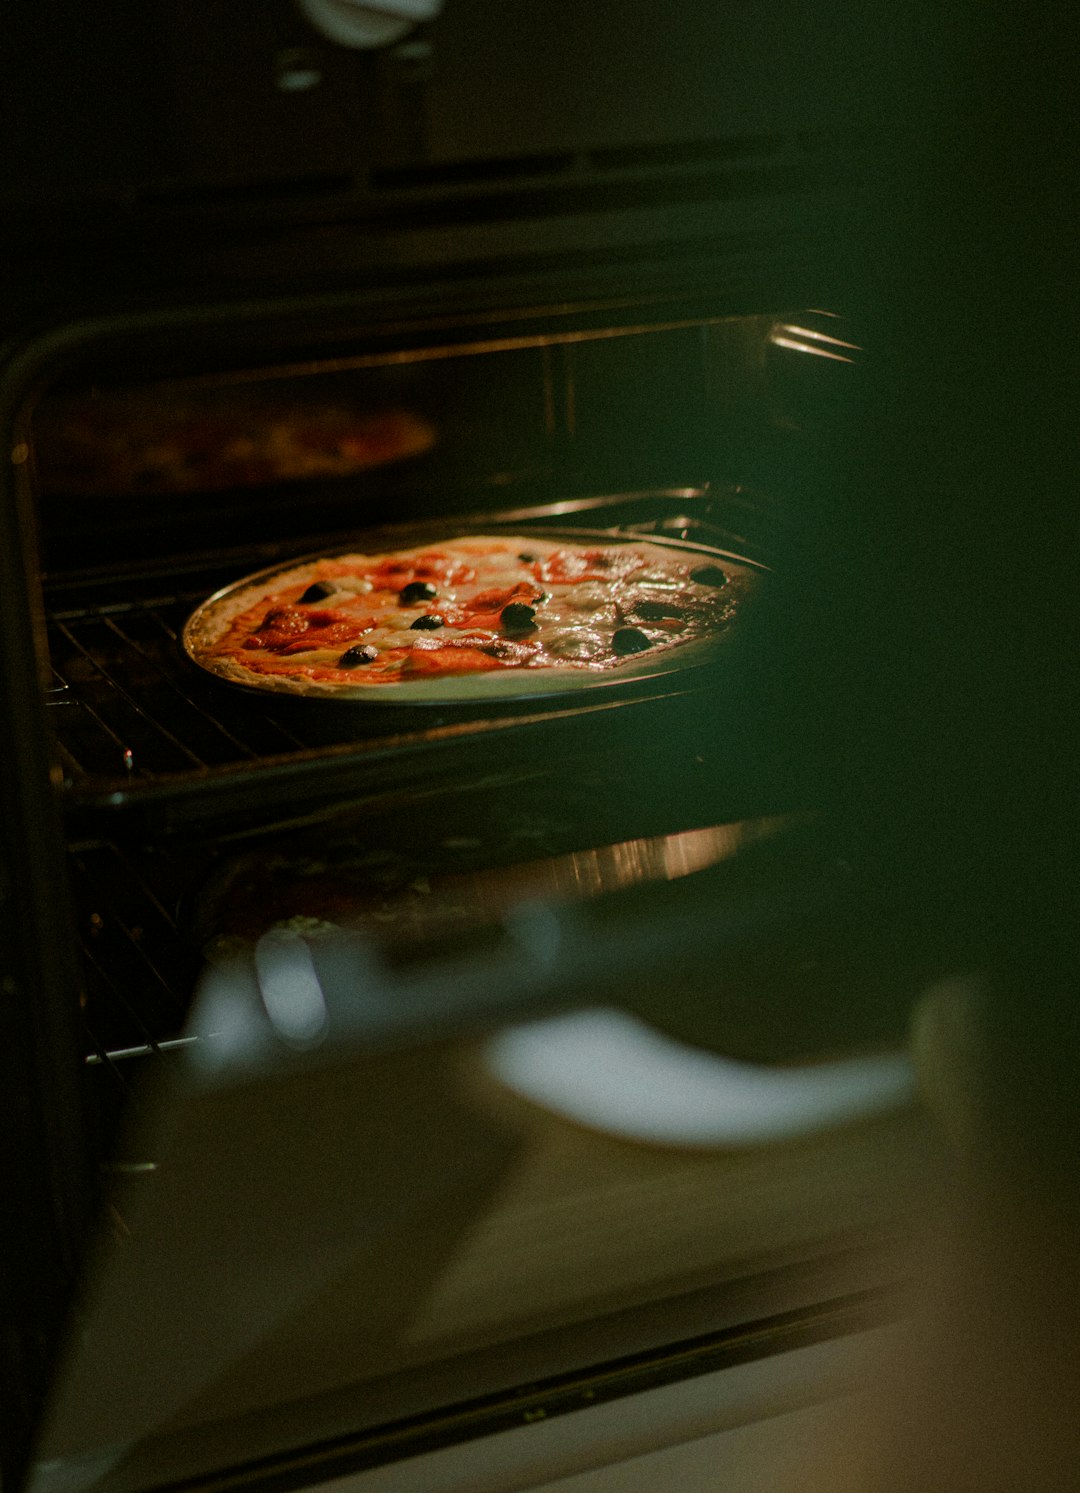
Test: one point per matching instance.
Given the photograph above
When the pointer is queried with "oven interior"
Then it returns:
(684, 431)
(636, 431)
(625, 420)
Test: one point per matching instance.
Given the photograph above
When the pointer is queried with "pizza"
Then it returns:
(470, 606)
(177, 440)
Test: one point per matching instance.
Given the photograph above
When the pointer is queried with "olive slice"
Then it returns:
(427, 623)
(518, 617)
(362, 653)
(626, 640)
(317, 591)
(416, 591)
(709, 575)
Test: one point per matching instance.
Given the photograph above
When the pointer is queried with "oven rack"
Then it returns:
(138, 975)
(148, 918)
(139, 971)
(799, 924)
(138, 743)
(142, 737)
(144, 914)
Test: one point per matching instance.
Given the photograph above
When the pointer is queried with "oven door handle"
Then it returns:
(607, 1070)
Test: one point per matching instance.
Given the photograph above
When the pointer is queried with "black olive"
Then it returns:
(416, 591)
(517, 616)
(317, 591)
(427, 623)
(363, 653)
(629, 640)
(709, 575)
(652, 611)
(526, 558)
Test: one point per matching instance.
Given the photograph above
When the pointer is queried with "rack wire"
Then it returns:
(138, 972)
(138, 975)
(124, 710)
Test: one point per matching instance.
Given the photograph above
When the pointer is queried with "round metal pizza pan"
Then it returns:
(211, 617)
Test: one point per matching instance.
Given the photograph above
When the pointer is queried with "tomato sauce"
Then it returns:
(454, 658)
(485, 609)
(292, 630)
(385, 670)
(434, 567)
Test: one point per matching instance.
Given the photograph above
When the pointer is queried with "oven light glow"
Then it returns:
(290, 988)
(819, 352)
(819, 337)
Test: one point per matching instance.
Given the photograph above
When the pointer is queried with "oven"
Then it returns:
(599, 1090)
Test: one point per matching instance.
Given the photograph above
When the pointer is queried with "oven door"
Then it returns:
(366, 1214)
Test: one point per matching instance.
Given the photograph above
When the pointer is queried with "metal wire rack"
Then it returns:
(125, 711)
(138, 974)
